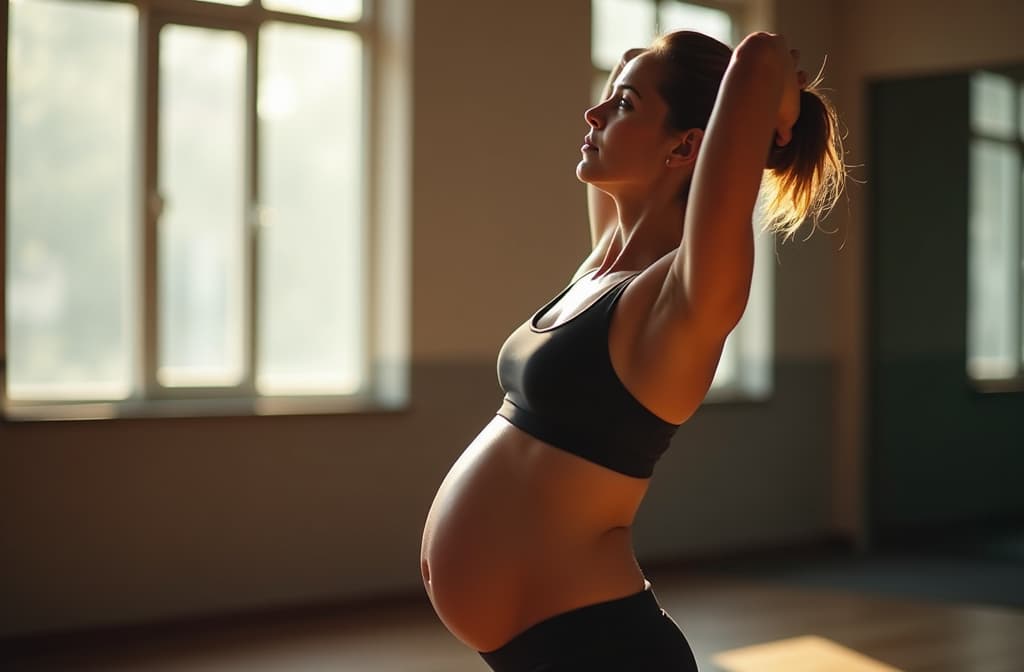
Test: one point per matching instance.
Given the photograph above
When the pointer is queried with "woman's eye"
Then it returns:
(623, 104)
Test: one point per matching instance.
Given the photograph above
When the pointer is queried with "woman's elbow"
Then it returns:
(762, 51)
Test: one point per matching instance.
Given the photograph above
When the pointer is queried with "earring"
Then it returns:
(668, 162)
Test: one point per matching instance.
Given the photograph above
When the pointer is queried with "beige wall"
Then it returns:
(134, 520)
(499, 215)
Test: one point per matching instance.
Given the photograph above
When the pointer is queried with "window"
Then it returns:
(995, 313)
(187, 207)
(744, 370)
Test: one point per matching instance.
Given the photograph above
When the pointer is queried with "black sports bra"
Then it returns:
(560, 387)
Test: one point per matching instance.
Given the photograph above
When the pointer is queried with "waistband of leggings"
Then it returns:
(616, 618)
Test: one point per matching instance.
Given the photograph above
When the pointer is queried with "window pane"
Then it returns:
(754, 332)
(201, 234)
(684, 16)
(69, 298)
(746, 362)
(727, 372)
(311, 267)
(618, 25)
(236, 3)
(341, 10)
(992, 108)
(994, 260)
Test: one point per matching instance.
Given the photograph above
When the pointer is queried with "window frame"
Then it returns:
(383, 389)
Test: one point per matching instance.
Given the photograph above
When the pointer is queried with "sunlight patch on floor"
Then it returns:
(798, 654)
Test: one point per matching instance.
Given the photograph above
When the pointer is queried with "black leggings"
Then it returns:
(632, 634)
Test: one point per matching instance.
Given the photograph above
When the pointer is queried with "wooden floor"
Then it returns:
(717, 613)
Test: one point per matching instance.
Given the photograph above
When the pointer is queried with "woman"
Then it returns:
(527, 554)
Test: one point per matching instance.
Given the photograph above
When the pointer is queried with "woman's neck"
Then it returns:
(649, 227)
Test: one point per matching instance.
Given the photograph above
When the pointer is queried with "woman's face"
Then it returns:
(628, 141)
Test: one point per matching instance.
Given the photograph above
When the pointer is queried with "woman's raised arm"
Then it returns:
(758, 101)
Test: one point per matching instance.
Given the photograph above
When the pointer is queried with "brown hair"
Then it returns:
(804, 178)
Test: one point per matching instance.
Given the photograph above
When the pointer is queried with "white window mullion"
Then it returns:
(253, 223)
(151, 204)
(371, 234)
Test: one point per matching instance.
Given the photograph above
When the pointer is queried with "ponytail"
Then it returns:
(805, 178)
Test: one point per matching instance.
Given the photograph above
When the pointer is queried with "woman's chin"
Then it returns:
(584, 171)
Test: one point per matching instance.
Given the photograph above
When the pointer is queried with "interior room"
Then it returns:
(251, 494)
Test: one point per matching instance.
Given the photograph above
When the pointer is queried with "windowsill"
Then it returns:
(997, 385)
(198, 408)
(736, 395)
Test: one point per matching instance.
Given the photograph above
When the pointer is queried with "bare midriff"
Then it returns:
(520, 531)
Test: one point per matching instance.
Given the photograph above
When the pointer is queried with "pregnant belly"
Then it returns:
(520, 531)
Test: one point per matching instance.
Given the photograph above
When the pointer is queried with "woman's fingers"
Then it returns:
(631, 54)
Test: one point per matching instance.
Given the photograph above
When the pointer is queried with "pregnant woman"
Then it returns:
(527, 554)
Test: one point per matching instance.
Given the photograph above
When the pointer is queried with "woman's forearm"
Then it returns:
(717, 258)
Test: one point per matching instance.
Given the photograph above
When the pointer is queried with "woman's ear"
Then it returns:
(685, 152)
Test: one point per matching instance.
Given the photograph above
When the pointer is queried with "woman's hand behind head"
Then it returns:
(631, 54)
(789, 107)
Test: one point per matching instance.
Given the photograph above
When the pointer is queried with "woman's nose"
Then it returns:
(593, 116)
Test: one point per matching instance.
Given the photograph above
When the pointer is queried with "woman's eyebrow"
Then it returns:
(630, 88)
